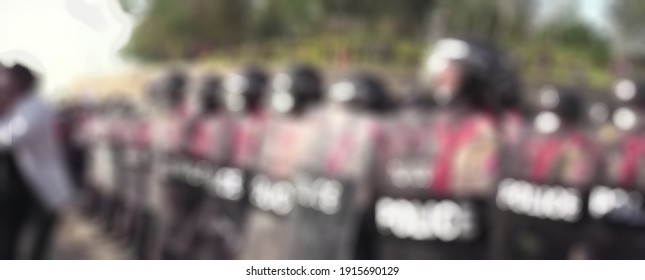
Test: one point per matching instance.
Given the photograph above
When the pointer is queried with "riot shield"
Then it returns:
(136, 171)
(171, 200)
(219, 219)
(271, 189)
(432, 201)
(616, 202)
(541, 198)
(333, 186)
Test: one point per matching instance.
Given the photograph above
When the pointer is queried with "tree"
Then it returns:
(627, 18)
(502, 20)
(172, 30)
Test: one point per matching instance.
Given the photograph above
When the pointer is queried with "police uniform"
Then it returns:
(442, 164)
(271, 189)
(615, 201)
(333, 189)
(541, 197)
(170, 200)
(215, 226)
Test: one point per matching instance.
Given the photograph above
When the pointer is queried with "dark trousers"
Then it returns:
(24, 221)
(15, 203)
(44, 227)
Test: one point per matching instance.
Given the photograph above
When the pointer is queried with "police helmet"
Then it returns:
(245, 91)
(296, 89)
(465, 71)
(362, 91)
(172, 87)
(558, 106)
(630, 98)
(209, 97)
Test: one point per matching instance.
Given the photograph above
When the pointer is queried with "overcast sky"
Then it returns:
(66, 39)
(63, 39)
(593, 11)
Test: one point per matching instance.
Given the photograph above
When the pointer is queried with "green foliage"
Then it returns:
(366, 32)
(572, 35)
(627, 16)
(173, 30)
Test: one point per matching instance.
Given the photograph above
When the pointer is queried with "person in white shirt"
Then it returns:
(35, 180)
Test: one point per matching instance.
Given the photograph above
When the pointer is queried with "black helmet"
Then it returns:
(209, 97)
(245, 91)
(482, 79)
(296, 89)
(629, 96)
(362, 91)
(630, 93)
(171, 87)
(558, 105)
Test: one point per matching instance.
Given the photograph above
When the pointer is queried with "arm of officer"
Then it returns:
(37, 149)
(20, 125)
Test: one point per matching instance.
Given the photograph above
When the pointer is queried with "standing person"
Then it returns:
(615, 207)
(441, 165)
(540, 200)
(34, 181)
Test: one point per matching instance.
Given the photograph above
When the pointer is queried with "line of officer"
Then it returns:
(468, 174)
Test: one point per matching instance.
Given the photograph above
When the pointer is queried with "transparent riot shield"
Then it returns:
(112, 169)
(541, 198)
(216, 225)
(97, 175)
(432, 202)
(136, 171)
(271, 189)
(171, 200)
(333, 186)
(616, 202)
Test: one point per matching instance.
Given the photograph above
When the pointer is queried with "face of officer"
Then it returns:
(447, 83)
(443, 72)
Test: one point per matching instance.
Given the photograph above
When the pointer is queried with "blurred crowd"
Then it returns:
(467, 163)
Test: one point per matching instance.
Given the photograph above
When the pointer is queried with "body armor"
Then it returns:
(442, 163)
(333, 188)
(615, 202)
(541, 197)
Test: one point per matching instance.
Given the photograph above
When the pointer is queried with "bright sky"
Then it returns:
(63, 39)
(67, 39)
(593, 11)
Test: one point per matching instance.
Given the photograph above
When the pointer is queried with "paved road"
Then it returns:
(81, 238)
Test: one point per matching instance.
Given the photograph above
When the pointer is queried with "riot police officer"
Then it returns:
(440, 174)
(107, 162)
(133, 175)
(335, 190)
(100, 176)
(541, 197)
(209, 156)
(287, 142)
(169, 199)
(244, 97)
(615, 202)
